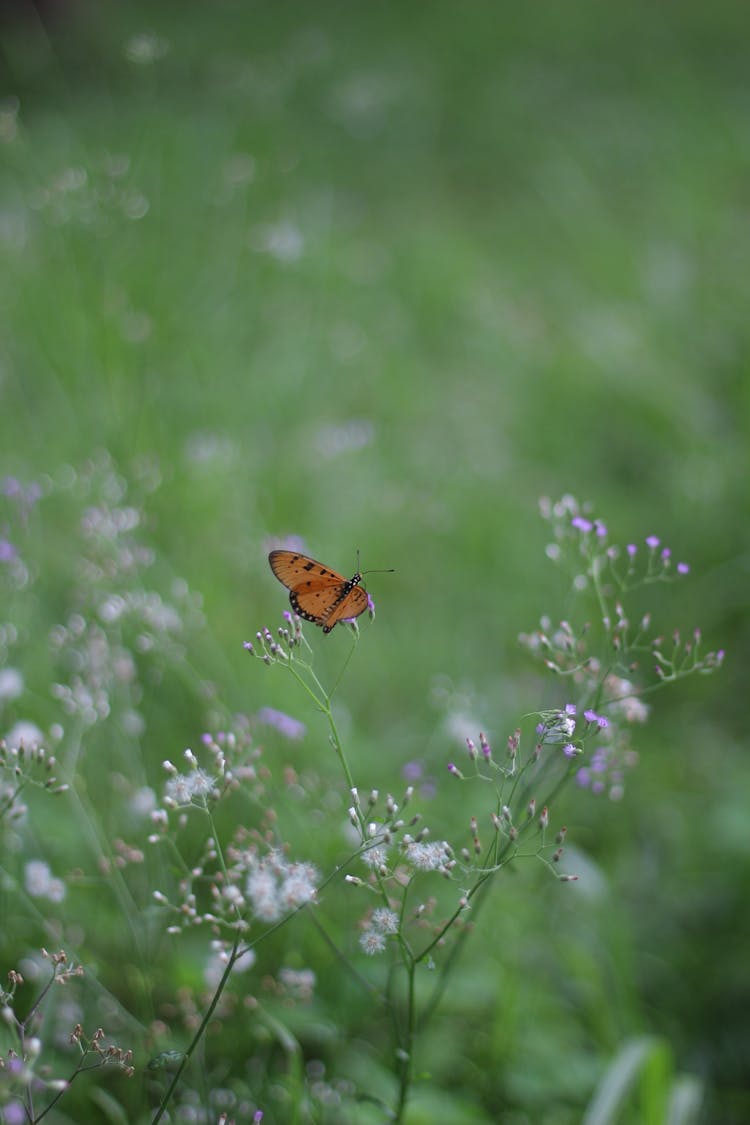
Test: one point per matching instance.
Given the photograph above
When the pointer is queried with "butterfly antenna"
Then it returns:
(389, 570)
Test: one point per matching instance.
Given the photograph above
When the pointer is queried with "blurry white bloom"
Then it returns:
(24, 732)
(298, 983)
(624, 702)
(40, 883)
(145, 48)
(276, 887)
(143, 801)
(385, 921)
(182, 788)
(217, 963)
(283, 241)
(11, 683)
(429, 856)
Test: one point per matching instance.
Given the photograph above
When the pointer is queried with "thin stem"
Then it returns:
(406, 1053)
(199, 1033)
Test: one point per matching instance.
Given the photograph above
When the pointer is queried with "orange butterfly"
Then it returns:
(318, 594)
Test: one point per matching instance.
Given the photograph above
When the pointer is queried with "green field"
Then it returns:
(369, 278)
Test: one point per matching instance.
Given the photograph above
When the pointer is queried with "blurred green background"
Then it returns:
(379, 276)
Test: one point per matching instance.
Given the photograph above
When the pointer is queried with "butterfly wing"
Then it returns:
(294, 570)
(317, 593)
(354, 602)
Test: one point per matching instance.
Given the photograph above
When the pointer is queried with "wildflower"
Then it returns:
(299, 886)
(591, 717)
(183, 788)
(582, 524)
(275, 887)
(372, 941)
(428, 856)
(11, 684)
(290, 728)
(262, 890)
(24, 734)
(40, 883)
(384, 920)
(299, 984)
(624, 702)
(375, 857)
(652, 542)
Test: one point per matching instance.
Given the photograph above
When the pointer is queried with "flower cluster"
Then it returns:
(24, 765)
(117, 623)
(380, 924)
(633, 658)
(578, 535)
(24, 1072)
(16, 503)
(282, 648)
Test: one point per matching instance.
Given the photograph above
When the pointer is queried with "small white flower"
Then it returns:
(299, 886)
(429, 856)
(262, 891)
(40, 883)
(372, 942)
(299, 983)
(24, 732)
(385, 921)
(11, 683)
(375, 857)
(143, 801)
(182, 788)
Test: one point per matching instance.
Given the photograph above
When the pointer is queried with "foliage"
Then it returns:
(375, 279)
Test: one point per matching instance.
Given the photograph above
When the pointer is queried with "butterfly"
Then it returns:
(317, 593)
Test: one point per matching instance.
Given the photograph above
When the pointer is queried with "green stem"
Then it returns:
(406, 1050)
(199, 1033)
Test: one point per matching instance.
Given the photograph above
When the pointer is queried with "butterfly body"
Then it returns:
(316, 592)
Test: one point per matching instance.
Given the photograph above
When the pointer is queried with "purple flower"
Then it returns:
(592, 717)
(581, 523)
(583, 778)
(14, 1114)
(284, 724)
(631, 549)
(569, 750)
(601, 529)
(652, 542)
(666, 554)
(683, 568)
(570, 709)
(7, 551)
(412, 771)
